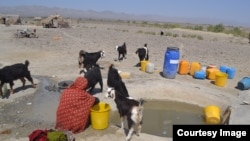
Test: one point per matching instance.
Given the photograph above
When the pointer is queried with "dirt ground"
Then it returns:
(54, 54)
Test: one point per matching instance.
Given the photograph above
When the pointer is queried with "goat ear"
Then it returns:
(111, 66)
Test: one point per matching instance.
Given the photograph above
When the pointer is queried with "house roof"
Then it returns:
(51, 17)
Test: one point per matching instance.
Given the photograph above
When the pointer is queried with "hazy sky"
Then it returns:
(229, 10)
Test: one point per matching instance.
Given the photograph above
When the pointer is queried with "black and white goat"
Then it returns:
(122, 51)
(143, 53)
(128, 108)
(89, 59)
(114, 80)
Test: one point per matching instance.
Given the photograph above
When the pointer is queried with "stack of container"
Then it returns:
(210, 72)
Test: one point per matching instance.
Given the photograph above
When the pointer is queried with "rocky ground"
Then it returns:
(53, 58)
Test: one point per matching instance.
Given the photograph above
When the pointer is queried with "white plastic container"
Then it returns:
(150, 68)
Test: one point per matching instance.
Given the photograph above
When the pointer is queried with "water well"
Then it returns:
(159, 116)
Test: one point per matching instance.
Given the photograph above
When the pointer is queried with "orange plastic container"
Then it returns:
(195, 66)
(220, 79)
(183, 67)
(211, 73)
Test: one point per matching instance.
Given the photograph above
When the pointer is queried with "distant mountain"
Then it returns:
(43, 11)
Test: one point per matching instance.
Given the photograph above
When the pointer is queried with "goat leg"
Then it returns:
(28, 76)
(119, 57)
(122, 122)
(23, 81)
(11, 88)
(139, 129)
(130, 132)
(1, 92)
(101, 85)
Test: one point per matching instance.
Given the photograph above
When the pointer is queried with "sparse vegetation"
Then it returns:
(147, 32)
(236, 32)
(150, 32)
(140, 31)
(124, 30)
(175, 35)
(168, 34)
(199, 37)
(219, 28)
(214, 39)
(198, 27)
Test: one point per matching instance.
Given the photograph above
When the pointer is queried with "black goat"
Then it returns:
(128, 108)
(122, 51)
(9, 74)
(89, 59)
(162, 33)
(143, 53)
(114, 80)
(94, 76)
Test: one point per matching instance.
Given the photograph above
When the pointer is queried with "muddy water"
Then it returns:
(159, 116)
(43, 104)
(46, 100)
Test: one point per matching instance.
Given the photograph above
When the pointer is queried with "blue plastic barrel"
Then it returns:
(244, 83)
(200, 74)
(171, 62)
(230, 72)
(223, 69)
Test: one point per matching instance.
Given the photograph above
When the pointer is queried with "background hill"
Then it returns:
(45, 11)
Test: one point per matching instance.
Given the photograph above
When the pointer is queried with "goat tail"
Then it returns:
(140, 110)
(141, 101)
(27, 63)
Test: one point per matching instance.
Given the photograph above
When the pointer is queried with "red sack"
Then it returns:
(38, 135)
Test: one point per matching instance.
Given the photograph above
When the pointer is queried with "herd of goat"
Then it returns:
(127, 107)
